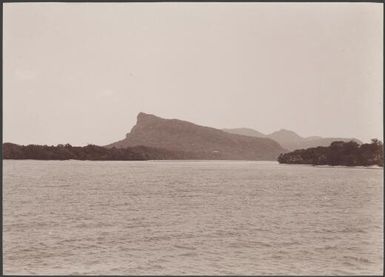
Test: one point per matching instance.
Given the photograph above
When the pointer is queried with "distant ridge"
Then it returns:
(289, 139)
(245, 132)
(206, 142)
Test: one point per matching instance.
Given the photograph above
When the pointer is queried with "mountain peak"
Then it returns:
(201, 141)
(285, 134)
(145, 116)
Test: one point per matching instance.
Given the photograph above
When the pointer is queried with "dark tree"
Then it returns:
(90, 152)
(338, 153)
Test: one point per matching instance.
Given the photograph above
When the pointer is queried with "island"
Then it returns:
(338, 153)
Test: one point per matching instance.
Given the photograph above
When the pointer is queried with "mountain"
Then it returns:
(287, 137)
(201, 142)
(291, 140)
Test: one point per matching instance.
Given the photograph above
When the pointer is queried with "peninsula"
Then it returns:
(338, 153)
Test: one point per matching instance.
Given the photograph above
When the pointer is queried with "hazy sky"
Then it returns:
(80, 73)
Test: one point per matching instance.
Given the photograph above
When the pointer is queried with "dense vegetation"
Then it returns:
(338, 153)
(89, 152)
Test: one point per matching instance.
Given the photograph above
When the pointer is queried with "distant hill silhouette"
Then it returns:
(245, 132)
(289, 139)
(210, 143)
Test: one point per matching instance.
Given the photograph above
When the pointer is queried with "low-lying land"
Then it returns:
(89, 152)
(338, 153)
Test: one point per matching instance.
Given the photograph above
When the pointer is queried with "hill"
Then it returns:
(206, 142)
(289, 139)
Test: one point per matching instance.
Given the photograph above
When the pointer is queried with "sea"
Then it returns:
(191, 218)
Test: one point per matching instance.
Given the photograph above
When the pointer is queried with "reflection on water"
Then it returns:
(191, 217)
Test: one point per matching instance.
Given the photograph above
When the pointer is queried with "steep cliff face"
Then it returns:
(204, 142)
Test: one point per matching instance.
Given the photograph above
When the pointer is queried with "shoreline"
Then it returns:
(212, 160)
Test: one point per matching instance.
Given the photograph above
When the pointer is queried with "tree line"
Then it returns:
(89, 152)
(338, 153)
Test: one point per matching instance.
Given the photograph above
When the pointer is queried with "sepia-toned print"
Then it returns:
(168, 138)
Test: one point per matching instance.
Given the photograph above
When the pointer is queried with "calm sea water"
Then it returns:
(191, 217)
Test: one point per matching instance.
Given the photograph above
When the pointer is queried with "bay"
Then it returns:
(191, 217)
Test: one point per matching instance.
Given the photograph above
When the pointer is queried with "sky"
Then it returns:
(80, 73)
